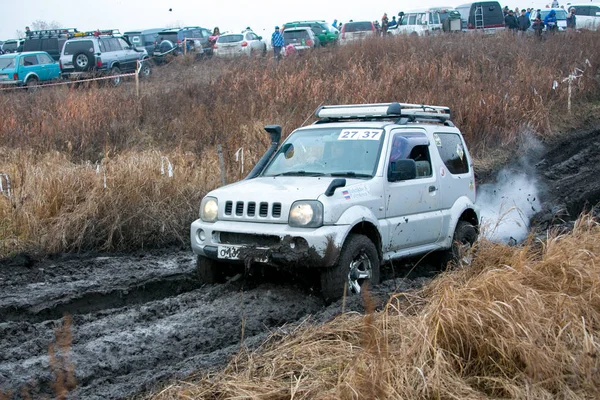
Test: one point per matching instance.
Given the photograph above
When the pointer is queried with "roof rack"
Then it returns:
(58, 32)
(384, 110)
(98, 32)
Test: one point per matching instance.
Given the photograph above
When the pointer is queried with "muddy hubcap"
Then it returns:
(360, 269)
(81, 60)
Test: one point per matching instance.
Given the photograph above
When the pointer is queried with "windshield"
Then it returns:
(7, 62)
(328, 151)
(560, 14)
(358, 26)
(230, 38)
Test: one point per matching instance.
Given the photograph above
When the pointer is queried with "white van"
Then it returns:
(418, 22)
(587, 15)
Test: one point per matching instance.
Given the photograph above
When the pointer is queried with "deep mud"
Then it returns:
(138, 320)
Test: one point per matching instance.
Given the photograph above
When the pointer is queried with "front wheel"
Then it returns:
(116, 80)
(464, 237)
(357, 265)
(146, 69)
(209, 270)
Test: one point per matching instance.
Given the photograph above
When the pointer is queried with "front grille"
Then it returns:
(252, 209)
(248, 239)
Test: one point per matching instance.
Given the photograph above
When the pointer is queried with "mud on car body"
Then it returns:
(362, 185)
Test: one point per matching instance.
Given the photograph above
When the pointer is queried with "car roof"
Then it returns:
(308, 21)
(23, 53)
(297, 28)
(144, 31)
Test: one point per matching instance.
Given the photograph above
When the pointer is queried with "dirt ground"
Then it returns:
(141, 319)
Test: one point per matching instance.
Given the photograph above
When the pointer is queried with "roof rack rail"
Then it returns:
(383, 110)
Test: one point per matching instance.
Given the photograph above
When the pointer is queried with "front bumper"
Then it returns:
(276, 244)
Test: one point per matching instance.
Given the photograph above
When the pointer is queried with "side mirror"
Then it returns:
(260, 38)
(402, 170)
(401, 14)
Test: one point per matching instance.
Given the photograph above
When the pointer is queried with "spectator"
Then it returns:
(334, 23)
(554, 3)
(27, 31)
(528, 13)
(550, 22)
(505, 11)
(510, 21)
(393, 23)
(524, 22)
(538, 26)
(277, 42)
(339, 26)
(384, 24)
(571, 19)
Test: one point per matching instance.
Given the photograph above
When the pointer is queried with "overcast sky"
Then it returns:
(228, 15)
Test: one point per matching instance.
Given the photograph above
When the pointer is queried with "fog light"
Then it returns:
(201, 235)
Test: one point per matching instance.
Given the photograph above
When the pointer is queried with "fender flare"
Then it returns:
(356, 215)
(29, 75)
(461, 205)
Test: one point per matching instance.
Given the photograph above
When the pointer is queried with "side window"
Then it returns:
(420, 154)
(452, 152)
(44, 59)
(206, 33)
(30, 60)
(149, 39)
(421, 19)
(248, 36)
(404, 20)
(412, 18)
(115, 44)
(123, 43)
(435, 17)
(415, 149)
(104, 45)
(595, 11)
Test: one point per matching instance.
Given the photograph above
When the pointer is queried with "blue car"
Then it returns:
(30, 68)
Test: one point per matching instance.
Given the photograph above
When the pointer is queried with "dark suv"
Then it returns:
(51, 41)
(102, 53)
(146, 38)
(170, 41)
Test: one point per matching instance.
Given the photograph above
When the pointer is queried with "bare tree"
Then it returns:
(39, 25)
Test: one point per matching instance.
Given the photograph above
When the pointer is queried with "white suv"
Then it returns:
(362, 185)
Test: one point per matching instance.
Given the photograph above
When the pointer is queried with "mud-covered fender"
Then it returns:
(29, 75)
(461, 205)
(355, 215)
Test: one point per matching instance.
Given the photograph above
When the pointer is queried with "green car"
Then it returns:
(323, 31)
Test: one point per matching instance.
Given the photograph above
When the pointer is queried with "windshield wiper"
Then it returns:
(300, 173)
(3, 68)
(351, 174)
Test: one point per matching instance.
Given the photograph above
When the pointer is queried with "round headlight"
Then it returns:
(210, 210)
(302, 214)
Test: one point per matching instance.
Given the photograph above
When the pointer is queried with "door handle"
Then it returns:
(432, 189)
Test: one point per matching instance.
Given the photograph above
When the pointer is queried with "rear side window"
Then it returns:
(44, 59)
(74, 47)
(6, 62)
(359, 26)
(452, 152)
(230, 39)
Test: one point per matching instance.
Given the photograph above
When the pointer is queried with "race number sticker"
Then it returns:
(360, 134)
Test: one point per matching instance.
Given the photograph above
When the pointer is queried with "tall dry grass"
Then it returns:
(520, 322)
(496, 86)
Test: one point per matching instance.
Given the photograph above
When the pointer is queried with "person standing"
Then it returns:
(571, 19)
(524, 21)
(555, 4)
(511, 22)
(277, 42)
(551, 22)
(27, 31)
(384, 24)
(538, 26)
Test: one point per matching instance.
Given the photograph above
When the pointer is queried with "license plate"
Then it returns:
(233, 253)
(3, 76)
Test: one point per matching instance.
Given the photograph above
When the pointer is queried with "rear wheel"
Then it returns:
(32, 84)
(357, 265)
(146, 69)
(116, 80)
(464, 237)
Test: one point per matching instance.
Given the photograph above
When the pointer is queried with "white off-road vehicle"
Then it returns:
(363, 184)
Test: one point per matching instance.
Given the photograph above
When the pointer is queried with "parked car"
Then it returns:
(325, 33)
(102, 53)
(28, 69)
(301, 39)
(561, 18)
(485, 16)
(50, 40)
(145, 38)
(419, 22)
(12, 45)
(587, 15)
(170, 41)
(246, 43)
(358, 30)
(365, 184)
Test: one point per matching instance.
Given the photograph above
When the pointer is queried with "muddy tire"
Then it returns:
(116, 81)
(32, 84)
(465, 235)
(357, 265)
(209, 270)
(146, 69)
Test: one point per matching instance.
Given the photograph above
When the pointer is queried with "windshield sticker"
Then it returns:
(437, 140)
(360, 134)
(460, 151)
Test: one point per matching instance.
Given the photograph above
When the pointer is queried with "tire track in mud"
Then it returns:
(140, 320)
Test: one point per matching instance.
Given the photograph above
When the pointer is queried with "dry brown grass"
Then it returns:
(496, 86)
(520, 322)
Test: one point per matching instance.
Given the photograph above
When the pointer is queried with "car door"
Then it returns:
(28, 64)
(413, 206)
(48, 68)
(127, 56)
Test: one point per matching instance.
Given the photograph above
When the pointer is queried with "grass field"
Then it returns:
(85, 164)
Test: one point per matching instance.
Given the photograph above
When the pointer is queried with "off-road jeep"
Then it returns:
(362, 185)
